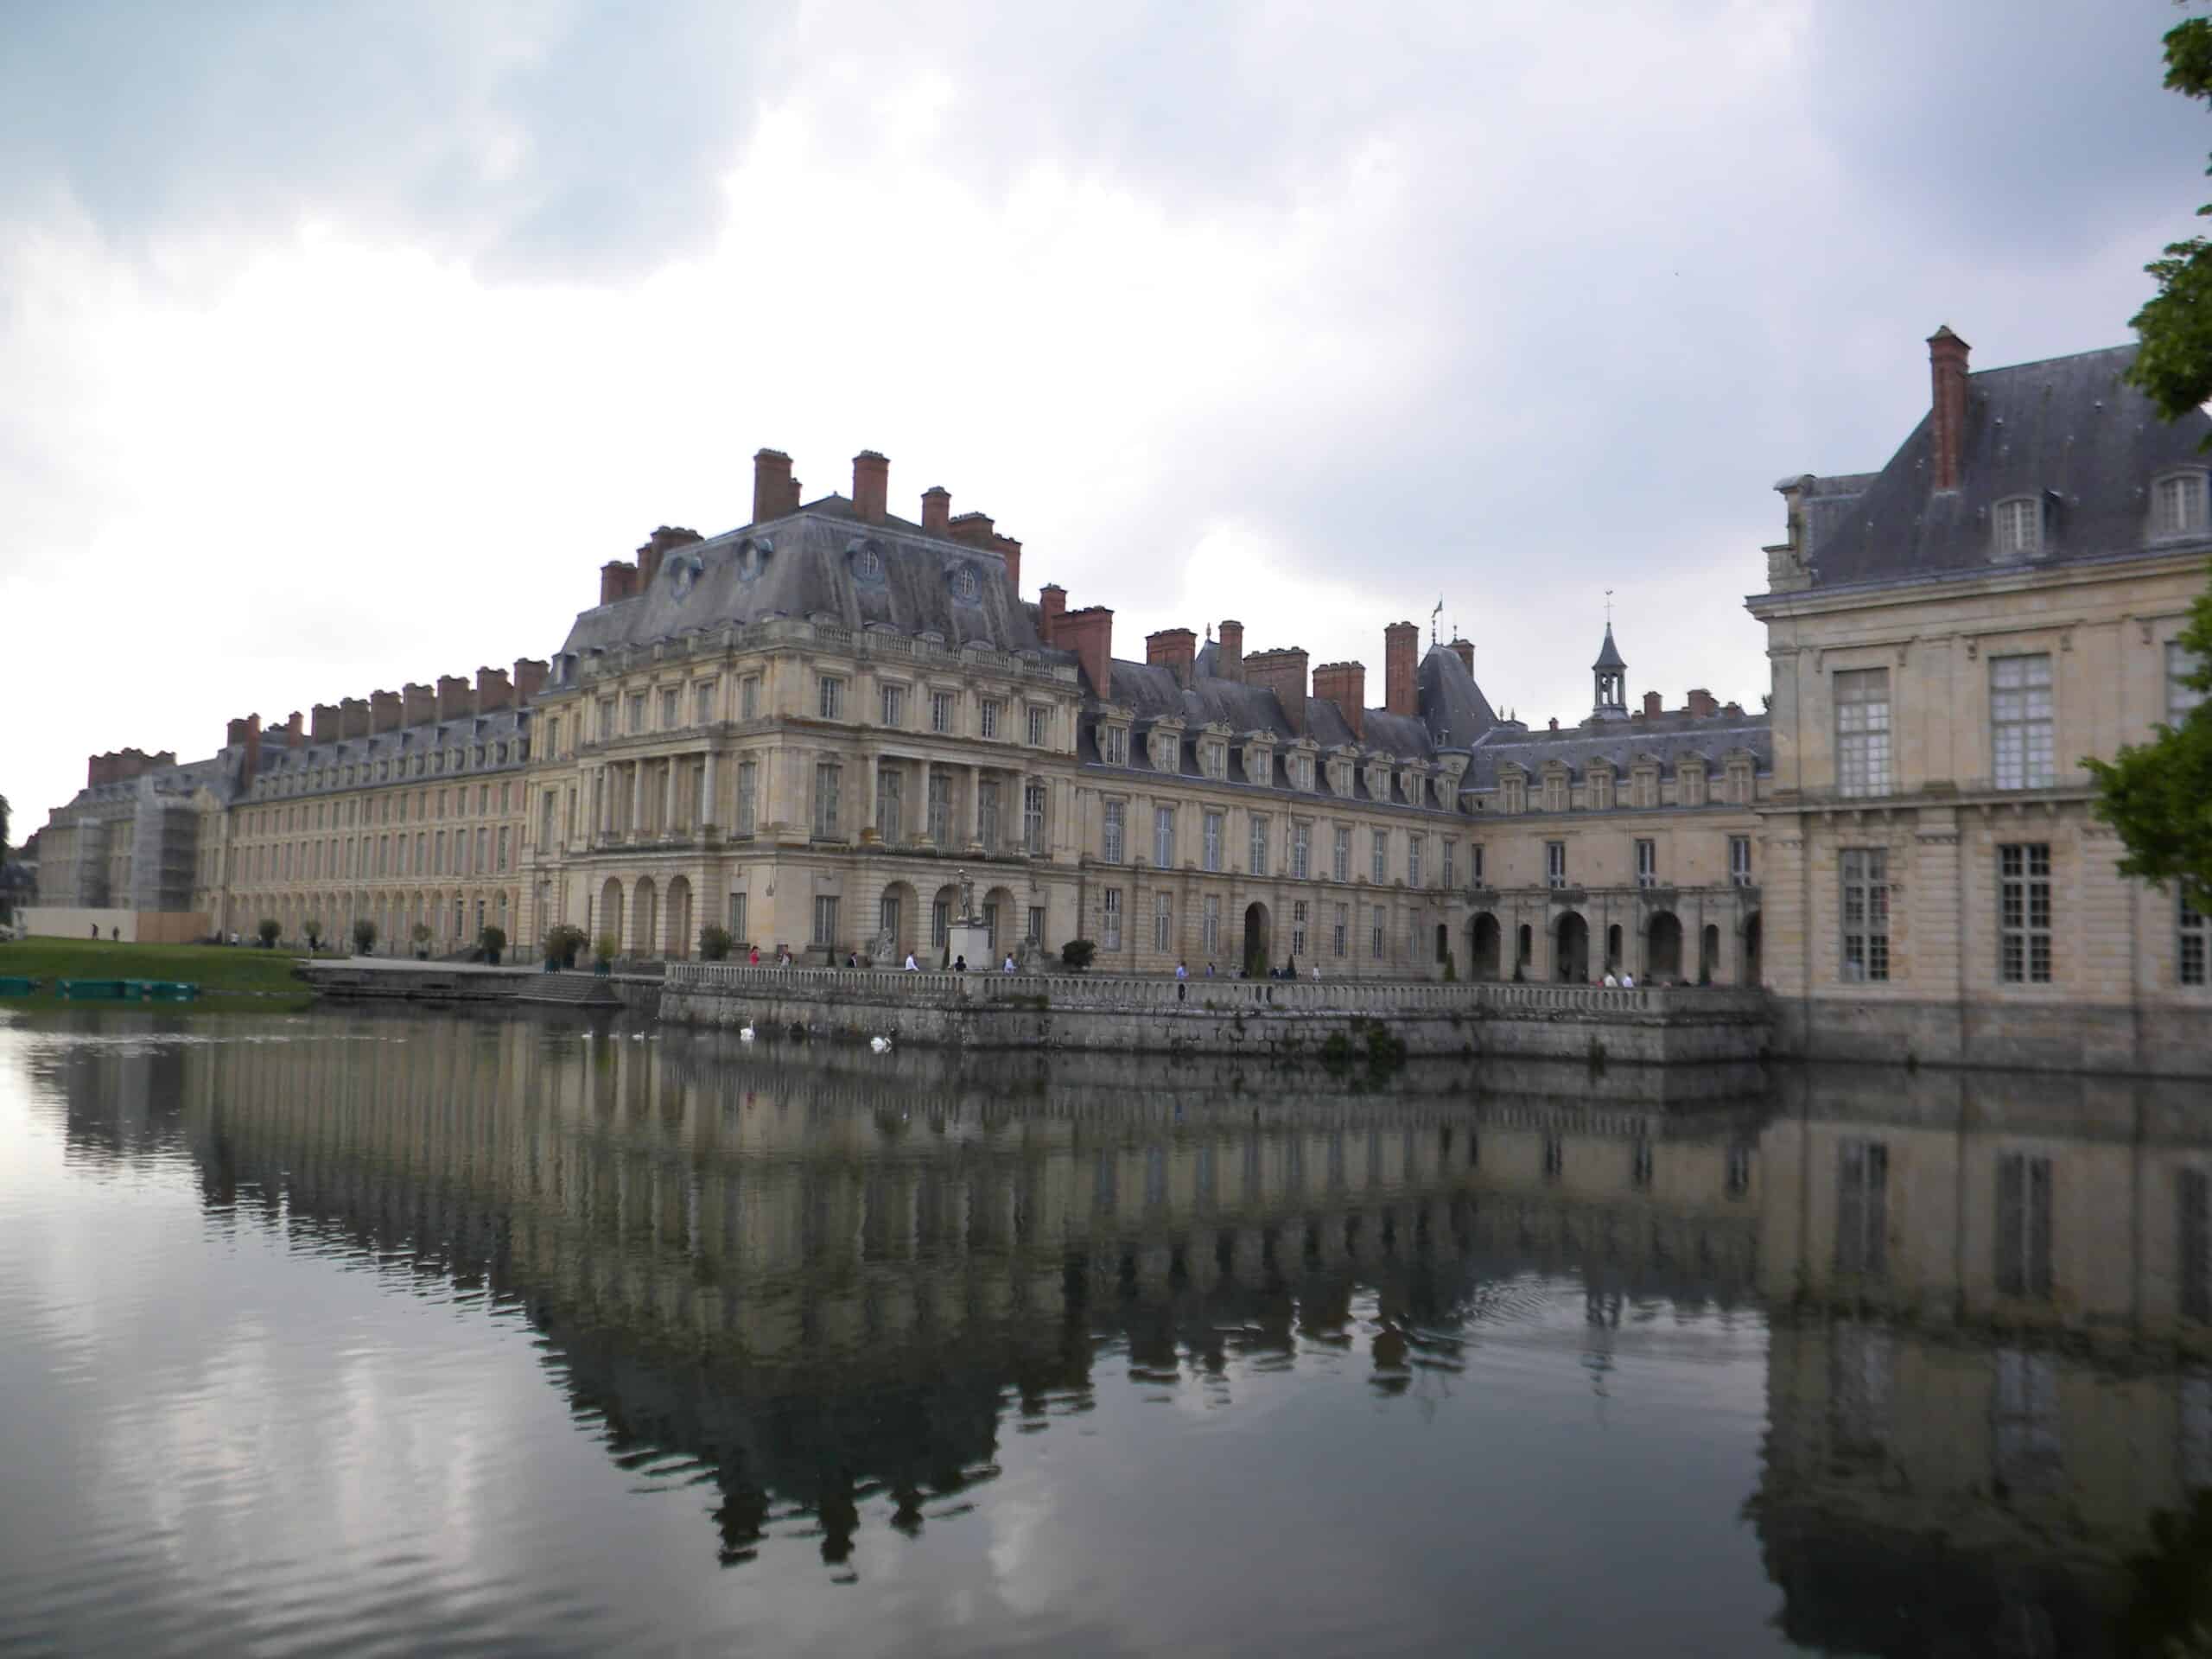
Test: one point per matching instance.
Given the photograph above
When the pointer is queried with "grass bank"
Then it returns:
(229, 977)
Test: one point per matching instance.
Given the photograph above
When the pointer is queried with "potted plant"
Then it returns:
(564, 944)
(365, 937)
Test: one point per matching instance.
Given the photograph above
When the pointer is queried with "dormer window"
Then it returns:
(1114, 745)
(2178, 505)
(2019, 527)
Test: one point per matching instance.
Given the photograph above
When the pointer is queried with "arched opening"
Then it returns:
(1662, 947)
(679, 917)
(944, 911)
(645, 907)
(610, 913)
(1572, 959)
(1256, 941)
(1485, 947)
(896, 913)
(1443, 944)
(1524, 951)
(1708, 954)
(1613, 949)
(1752, 975)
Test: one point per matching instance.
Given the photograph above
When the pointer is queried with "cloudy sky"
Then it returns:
(342, 344)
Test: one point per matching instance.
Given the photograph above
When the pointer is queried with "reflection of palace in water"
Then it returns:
(829, 1279)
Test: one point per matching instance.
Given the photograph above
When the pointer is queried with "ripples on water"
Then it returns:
(330, 1333)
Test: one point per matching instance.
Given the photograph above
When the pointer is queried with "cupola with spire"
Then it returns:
(1610, 673)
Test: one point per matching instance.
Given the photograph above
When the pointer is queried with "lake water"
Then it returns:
(422, 1334)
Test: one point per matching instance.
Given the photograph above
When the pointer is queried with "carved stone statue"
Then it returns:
(967, 897)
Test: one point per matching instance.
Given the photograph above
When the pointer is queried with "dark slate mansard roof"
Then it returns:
(2070, 426)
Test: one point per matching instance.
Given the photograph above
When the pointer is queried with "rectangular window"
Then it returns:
(748, 697)
(483, 851)
(637, 722)
(737, 928)
(1036, 935)
(2193, 1233)
(828, 784)
(1210, 924)
(503, 847)
(1647, 863)
(2022, 1225)
(671, 702)
(605, 720)
(825, 918)
(890, 806)
(1340, 855)
(1213, 841)
(2181, 695)
(1109, 926)
(1039, 727)
(1163, 837)
(1259, 842)
(2024, 913)
(1475, 865)
(2019, 525)
(1555, 863)
(1033, 819)
(2193, 941)
(1114, 745)
(1739, 861)
(703, 702)
(1451, 864)
(887, 918)
(1109, 840)
(1413, 859)
(1163, 922)
(2020, 721)
(1340, 935)
(748, 794)
(987, 814)
(1298, 928)
(2179, 506)
(1861, 1208)
(940, 808)
(832, 699)
(1865, 872)
(940, 922)
(1378, 855)
(1378, 932)
(1862, 732)
(1301, 849)
(994, 715)
(894, 705)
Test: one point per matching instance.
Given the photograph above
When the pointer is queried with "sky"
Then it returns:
(343, 345)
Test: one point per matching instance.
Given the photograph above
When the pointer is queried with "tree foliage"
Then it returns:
(2158, 795)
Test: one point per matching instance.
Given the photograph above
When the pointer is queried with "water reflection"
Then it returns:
(838, 1290)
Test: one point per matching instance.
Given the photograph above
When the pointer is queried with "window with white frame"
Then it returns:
(1865, 900)
(1210, 924)
(1114, 745)
(2182, 666)
(748, 794)
(2020, 721)
(939, 803)
(1301, 771)
(825, 918)
(993, 715)
(1033, 819)
(704, 698)
(1378, 933)
(1378, 855)
(1414, 844)
(1739, 861)
(1211, 847)
(941, 709)
(2024, 913)
(1259, 844)
(1298, 928)
(2178, 505)
(1163, 837)
(829, 785)
(940, 922)
(1555, 863)
(887, 918)
(1451, 864)
(637, 716)
(1163, 922)
(1109, 926)
(1862, 731)
(987, 814)
(1340, 934)
(1340, 854)
(1301, 849)
(893, 699)
(737, 927)
(2020, 526)
(832, 698)
(1036, 934)
(1647, 863)
(748, 697)
(1214, 757)
(671, 702)
(2023, 1218)
(1040, 726)
(1109, 847)
(890, 804)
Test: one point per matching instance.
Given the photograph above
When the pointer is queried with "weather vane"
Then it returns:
(1609, 610)
(1433, 615)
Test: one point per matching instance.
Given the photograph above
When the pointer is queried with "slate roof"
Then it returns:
(1609, 655)
(2069, 426)
(812, 562)
(1623, 742)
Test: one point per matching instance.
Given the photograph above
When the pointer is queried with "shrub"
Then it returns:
(364, 936)
(1077, 955)
(419, 933)
(715, 943)
(269, 928)
(494, 939)
(311, 930)
(563, 944)
(606, 948)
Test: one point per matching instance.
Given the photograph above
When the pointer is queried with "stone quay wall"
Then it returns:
(1262, 1019)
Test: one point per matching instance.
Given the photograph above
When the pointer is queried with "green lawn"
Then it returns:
(234, 976)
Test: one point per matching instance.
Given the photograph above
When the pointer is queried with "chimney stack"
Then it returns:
(530, 679)
(420, 704)
(1228, 654)
(936, 510)
(96, 769)
(252, 767)
(1946, 370)
(1346, 685)
(1401, 695)
(352, 717)
(970, 529)
(1010, 551)
(324, 727)
(1090, 633)
(234, 734)
(773, 488)
(1703, 704)
(492, 691)
(385, 711)
(454, 697)
(295, 736)
(871, 486)
(1465, 651)
(1172, 648)
(618, 579)
(1651, 706)
(1051, 605)
(1282, 672)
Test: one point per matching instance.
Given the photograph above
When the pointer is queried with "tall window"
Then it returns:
(1866, 913)
(1340, 934)
(2020, 722)
(1040, 726)
(637, 714)
(1862, 732)
(890, 808)
(1033, 819)
(1861, 1208)
(748, 697)
(1109, 846)
(894, 705)
(1163, 837)
(502, 852)
(2023, 1224)
(606, 724)
(1555, 863)
(1413, 859)
(1036, 934)
(1298, 928)
(2181, 695)
(940, 809)
(887, 918)
(2178, 505)
(2024, 913)
(1301, 849)
(1378, 855)
(2020, 526)
(1378, 932)
(1340, 855)
(2193, 1232)
(993, 715)
(1451, 864)
(1210, 924)
(1259, 842)
(737, 930)
(1739, 861)
(987, 814)
(1109, 926)
(1163, 922)
(2193, 940)
(940, 922)
(829, 781)
(1647, 863)
(1213, 847)
(1475, 864)
(940, 711)
(748, 794)
(671, 703)
(832, 704)
(825, 918)
(1114, 745)
(703, 702)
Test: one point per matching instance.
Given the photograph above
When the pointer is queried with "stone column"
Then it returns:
(874, 764)
(709, 802)
(927, 832)
(667, 825)
(637, 800)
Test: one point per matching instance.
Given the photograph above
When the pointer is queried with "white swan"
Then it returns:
(745, 1035)
(881, 1045)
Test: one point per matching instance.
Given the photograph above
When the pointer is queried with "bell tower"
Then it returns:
(1609, 674)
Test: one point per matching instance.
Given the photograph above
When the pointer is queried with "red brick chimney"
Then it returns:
(936, 510)
(871, 486)
(1702, 703)
(1010, 551)
(420, 704)
(296, 736)
(1947, 369)
(1051, 605)
(492, 690)
(773, 488)
(1651, 705)
(251, 768)
(970, 529)
(234, 734)
(1465, 651)
(1229, 652)
(96, 769)
(352, 717)
(1172, 648)
(1089, 634)
(1401, 641)
(618, 579)
(324, 727)
(1282, 672)
(530, 679)
(385, 711)
(1346, 685)
(455, 699)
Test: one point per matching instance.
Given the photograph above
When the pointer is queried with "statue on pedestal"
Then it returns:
(967, 897)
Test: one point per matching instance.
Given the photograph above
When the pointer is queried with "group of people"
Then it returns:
(1624, 981)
